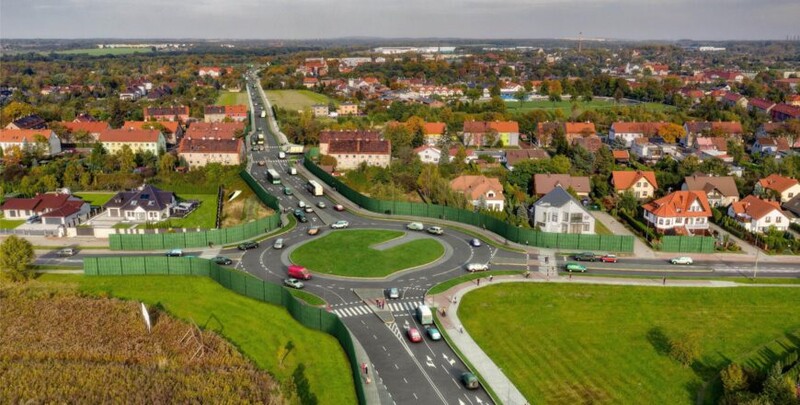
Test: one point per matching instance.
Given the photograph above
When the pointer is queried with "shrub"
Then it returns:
(684, 349)
(733, 378)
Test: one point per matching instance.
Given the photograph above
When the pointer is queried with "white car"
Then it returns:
(475, 242)
(435, 230)
(340, 225)
(473, 267)
(301, 204)
(293, 283)
(682, 260)
(415, 226)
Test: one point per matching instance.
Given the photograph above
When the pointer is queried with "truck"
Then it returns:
(292, 170)
(260, 139)
(293, 149)
(263, 113)
(424, 315)
(314, 188)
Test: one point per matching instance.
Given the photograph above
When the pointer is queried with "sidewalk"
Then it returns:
(491, 374)
(640, 249)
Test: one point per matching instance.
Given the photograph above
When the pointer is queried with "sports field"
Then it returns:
(566, 106)
(296, 99)
(232, 98)
(568, 344)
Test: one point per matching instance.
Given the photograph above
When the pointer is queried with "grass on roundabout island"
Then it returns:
(350, 253)
(609, 344)
(261, 331)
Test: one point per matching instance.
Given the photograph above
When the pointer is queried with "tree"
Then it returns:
(618, 95)
(14, 110)
(554, 90)
(522, 215)
(733, 378)
(560, 164)
(127, 160)
(777, 388)
(628, 203)
(684, 349)
(167, 162)
(736, 151)
(520, 96)
(671, 132)
(16, 255)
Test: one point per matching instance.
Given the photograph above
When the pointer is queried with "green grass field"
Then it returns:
(203, 217)
(11, 223)
(232, 98)
(348, 253)
(261, 331)
(566, 106)
(606, 344)
(442, 287)
(94, 197)
(308, 297)
(108, 51)
(296, 99)
(601, 229)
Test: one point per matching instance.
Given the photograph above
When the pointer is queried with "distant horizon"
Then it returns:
(628, 20)
(388, 38)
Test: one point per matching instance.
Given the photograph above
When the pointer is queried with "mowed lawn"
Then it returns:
(95, 197)
(261, 331)
(605, 344)
(232, 98)
(296, 99)
(203, 217)
(348, 253)
(566, 106)
(10, 223)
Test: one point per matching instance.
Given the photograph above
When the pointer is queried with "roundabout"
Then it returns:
(367, 253)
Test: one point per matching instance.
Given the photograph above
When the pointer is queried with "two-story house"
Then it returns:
(145, 204)
(560, 212)
(44, 140)
(682, 213)
(172, 130)
(720, 191)
(628, 132)
(642, 185)
(92, 129)
(351, 153)
(218, 113)
(171, 113)
(434, 132)
(757, 215)
(787, 188)
(545, 183)
(480, 133)
(198, 152)
(139, 140)
(483, 192)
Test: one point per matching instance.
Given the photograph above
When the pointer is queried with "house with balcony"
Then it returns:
(559, 212)
(483, 192)
(145, 204)
(785, 187)
(680, 213)
(720, 191)
(434, 132)
(757, 215)
(642, 184)
(545, 183)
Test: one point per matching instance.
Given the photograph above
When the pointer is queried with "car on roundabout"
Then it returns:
(435, 230)
(248, 245)
(475, 242)
(413, 335)
(222, 260)
(433, 333)
(278, 244)
(314, 230)
(293, 283)
(474, 267)
(340, 225)
(393, 293)
(570, 267)
(415, 226)
(682, 260)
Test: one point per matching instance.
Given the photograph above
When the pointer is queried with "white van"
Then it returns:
(281, 155)
(292, 171)
(424, 315)
(415, 226)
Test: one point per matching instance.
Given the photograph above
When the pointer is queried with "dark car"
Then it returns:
(470, 381)
(175, 253)
(222, 260)
(586, 257)
(248, 245)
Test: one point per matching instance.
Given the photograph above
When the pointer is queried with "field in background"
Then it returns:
(105, 51)
(203, 217)
(566, 106)
(608, 344)
(310, 362)
(232, 98)
(296, 99)
(95, 197)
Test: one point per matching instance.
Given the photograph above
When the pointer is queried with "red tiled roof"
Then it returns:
(727, 127)
(195, 145)
(760, 103)
(18, 135)
(513, 156)
(755, 207)
(129, 135)
(621, 154)
(623, 180)
(41, 202)
(777, 182)
(170, 126)
(677, 205)
(545, 183)
(436, 128)
(328, 136)
(481, 127)
(69, 208)
(579, 128)
(476, 186)
(90, 127)
(359, 146)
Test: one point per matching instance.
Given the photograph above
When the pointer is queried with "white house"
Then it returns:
(559, 212)
(28, 139)
(146, 203)
(482, 191)
(786, 187)
(682, 212)
(757, 215)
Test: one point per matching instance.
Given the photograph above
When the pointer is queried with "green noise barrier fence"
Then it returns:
(524, 236)
(238, 282)
(687, 244)
(223, 236)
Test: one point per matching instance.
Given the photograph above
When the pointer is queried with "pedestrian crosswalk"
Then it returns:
(362, 309)
(352, 311)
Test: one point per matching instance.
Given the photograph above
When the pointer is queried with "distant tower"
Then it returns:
(580, 41)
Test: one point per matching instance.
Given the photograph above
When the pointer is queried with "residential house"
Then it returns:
(726, 129)
(628, 132)
(770, 129)
(760, 104)
(545, 131)
(783, 112)
(559, 212)
(681, 213)
(222, 130)
(32, 121)
(351, 153)
(198, 152)
(53, 208)
(480, 133)
(786, 187)
(757, 215)
(433, 154)
(734, 100)
(326, 137)
(514, 156)
(320, 110)
(145, 204)
(29, 139)
(172, 130)
(210, 71)
(656, 69)
(481, 191)
(650, 151)
(720, 191)
(175, 113)
(642, 185)
(578, 130)
(310, 82)
(314, 67)
(793, 206)
(347, 109)
(545, 183)
(591, 143)
(621, 156)
(91, 128)
(771, 145)
(434, 131)
(139, 140)
(218, 113)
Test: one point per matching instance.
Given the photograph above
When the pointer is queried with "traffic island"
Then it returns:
(373, 297)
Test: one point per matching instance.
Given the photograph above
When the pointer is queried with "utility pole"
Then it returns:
(755, 268)
(580, 41)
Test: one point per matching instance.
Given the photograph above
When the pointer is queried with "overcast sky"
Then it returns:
(309, 19)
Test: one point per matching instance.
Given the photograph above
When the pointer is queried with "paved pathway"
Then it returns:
(640, 249)
(407, 237)
(746, 247)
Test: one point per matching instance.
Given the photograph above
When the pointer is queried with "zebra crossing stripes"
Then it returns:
(361, 309)
(402, 306)
(352, 311)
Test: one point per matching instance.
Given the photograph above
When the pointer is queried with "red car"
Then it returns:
(414, 335)
(608, 259)
(338, 207)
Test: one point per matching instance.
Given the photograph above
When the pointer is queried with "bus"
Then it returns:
(314, 187)
(273, 176)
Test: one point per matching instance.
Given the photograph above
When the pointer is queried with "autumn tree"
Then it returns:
(127, 160)
(554, 90)
(14, 110)
(167, 162)
(16, 255)
(671, 132)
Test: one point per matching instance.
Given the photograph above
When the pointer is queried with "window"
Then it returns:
(554, 217)
(565, 217)
(777, 220)
(586, 227)
(768, 220)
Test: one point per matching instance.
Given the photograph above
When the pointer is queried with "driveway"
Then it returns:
(640, 249)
